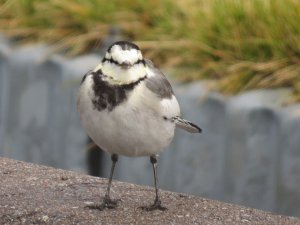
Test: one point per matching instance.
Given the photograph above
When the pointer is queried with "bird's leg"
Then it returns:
(107, 201)
(157, 202)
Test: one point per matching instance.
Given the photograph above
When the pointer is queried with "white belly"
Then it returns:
(134, 128)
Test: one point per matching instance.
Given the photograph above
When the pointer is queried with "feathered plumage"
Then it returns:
(128, 107)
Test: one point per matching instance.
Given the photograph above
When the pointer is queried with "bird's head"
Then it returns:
(123, 54)
(123, 62)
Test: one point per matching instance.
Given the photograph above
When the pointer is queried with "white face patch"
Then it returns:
(107, 55)
(121, 76)
(119, 55)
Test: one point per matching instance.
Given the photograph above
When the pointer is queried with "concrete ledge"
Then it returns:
(34, 194)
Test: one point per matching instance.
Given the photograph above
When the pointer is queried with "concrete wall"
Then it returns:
(248, 153)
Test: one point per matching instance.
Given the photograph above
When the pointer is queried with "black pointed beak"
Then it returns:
(126, 65)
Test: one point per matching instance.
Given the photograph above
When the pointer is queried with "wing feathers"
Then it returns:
(158, 84)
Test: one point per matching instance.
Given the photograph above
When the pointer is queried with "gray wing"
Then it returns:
(158, 84)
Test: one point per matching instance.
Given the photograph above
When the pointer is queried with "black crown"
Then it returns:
(125, 45)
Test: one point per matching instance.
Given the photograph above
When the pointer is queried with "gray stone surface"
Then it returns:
(39, 120)
(21, 64)
(248, 153)
(289, 164)
(32, 194)
(256, 184)
(4, 82)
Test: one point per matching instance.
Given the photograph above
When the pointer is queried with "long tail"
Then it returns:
(186, 125)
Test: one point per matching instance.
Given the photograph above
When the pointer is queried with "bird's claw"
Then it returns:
(155, 206)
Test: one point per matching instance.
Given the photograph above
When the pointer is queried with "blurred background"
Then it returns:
(234, 65)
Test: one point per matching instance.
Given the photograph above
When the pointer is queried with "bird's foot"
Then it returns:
(107, 203)
(155, 206)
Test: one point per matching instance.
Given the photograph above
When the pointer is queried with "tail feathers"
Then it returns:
(186, 125)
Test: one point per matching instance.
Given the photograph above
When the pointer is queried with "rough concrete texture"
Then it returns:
(33, 194)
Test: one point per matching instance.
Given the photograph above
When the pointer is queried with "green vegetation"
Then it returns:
(240, 44)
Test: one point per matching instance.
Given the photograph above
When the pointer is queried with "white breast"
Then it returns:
(136, 127)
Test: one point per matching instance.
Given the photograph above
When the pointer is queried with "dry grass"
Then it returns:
(240, 44)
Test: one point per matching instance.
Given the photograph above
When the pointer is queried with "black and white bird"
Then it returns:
(128, 107)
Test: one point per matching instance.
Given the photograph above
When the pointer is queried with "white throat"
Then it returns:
(116, 75)
(120, 55)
